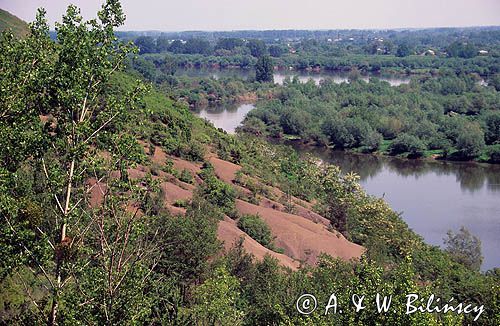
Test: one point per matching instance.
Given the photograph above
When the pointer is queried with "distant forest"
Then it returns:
(464, 50)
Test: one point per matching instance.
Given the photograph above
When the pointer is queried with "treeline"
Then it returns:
(397, 52)
(413, 64)
(449, 116)
(434, 37)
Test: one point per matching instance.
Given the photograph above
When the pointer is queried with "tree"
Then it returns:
(470, 140)
(354, 75)
(189, 242)
(146, 44)
(464, 248)
(461, 50)
(197, 46)
(216, 300)
(257, 48)
(340, 192)
(492, 132)
(176, 47)
(219, 194)
(229, 43)
(74, 72)
(162, 44)
(276, 51)
(406, 143)
(169, 65)
(264, 70)
(257, 229)
(495, 81)
(403, 50)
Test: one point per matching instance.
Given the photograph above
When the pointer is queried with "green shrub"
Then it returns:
(256, 228)
(192, 151)
(219, 194)
(183, 203)
(186, 176)
(207, 170)
(406, 143)
(494, 153)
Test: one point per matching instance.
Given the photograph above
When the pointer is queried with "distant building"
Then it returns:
(429, 52)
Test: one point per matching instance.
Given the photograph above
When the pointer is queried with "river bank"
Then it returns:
(421, 189)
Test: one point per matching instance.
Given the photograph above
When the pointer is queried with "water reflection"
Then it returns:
(280, 76)
(226, 117)
(471, 177)
(433, 197)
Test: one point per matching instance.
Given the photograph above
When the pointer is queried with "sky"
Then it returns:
(181, 15)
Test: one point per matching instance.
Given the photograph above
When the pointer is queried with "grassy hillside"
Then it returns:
(8, 21)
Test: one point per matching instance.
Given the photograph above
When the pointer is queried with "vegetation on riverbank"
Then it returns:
(448, 116)
(472, 50)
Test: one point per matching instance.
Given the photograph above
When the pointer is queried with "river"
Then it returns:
(281, 75)
(433, 197)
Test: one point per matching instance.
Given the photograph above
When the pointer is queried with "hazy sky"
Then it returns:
(177, 15)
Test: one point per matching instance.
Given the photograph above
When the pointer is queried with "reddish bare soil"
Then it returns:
(297, 210)
(173, 193)
(159, 155)
(175, 211)
(180, 164)
(224, 170)
(302, 239)
(229, 234)
(96, 193)
(303, 235)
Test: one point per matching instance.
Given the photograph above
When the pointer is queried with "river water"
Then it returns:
(433, 197)
(281, 75)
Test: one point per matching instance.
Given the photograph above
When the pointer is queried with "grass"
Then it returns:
(291, 137)
(433, 152)
(384, 146)
(8, 21)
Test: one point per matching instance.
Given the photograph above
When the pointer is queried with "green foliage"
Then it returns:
(189, 241)
(495, 81)
(403, 50)
(216, 300)
(494, 153)
(257, 229)
(406, 143)
(470, 141)
(145, 44)
(462, 50)
(219, 194)
(229, 43)
(77, 251)
(264, 70)
(449, 113)
(186, 176)
(492, 131)
(257, 48)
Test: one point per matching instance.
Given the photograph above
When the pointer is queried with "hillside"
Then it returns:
(18, 26)
(300, 233)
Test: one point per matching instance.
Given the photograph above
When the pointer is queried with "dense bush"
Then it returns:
(406, 143)
(219, 194)
(256, 228)
(447, 114)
